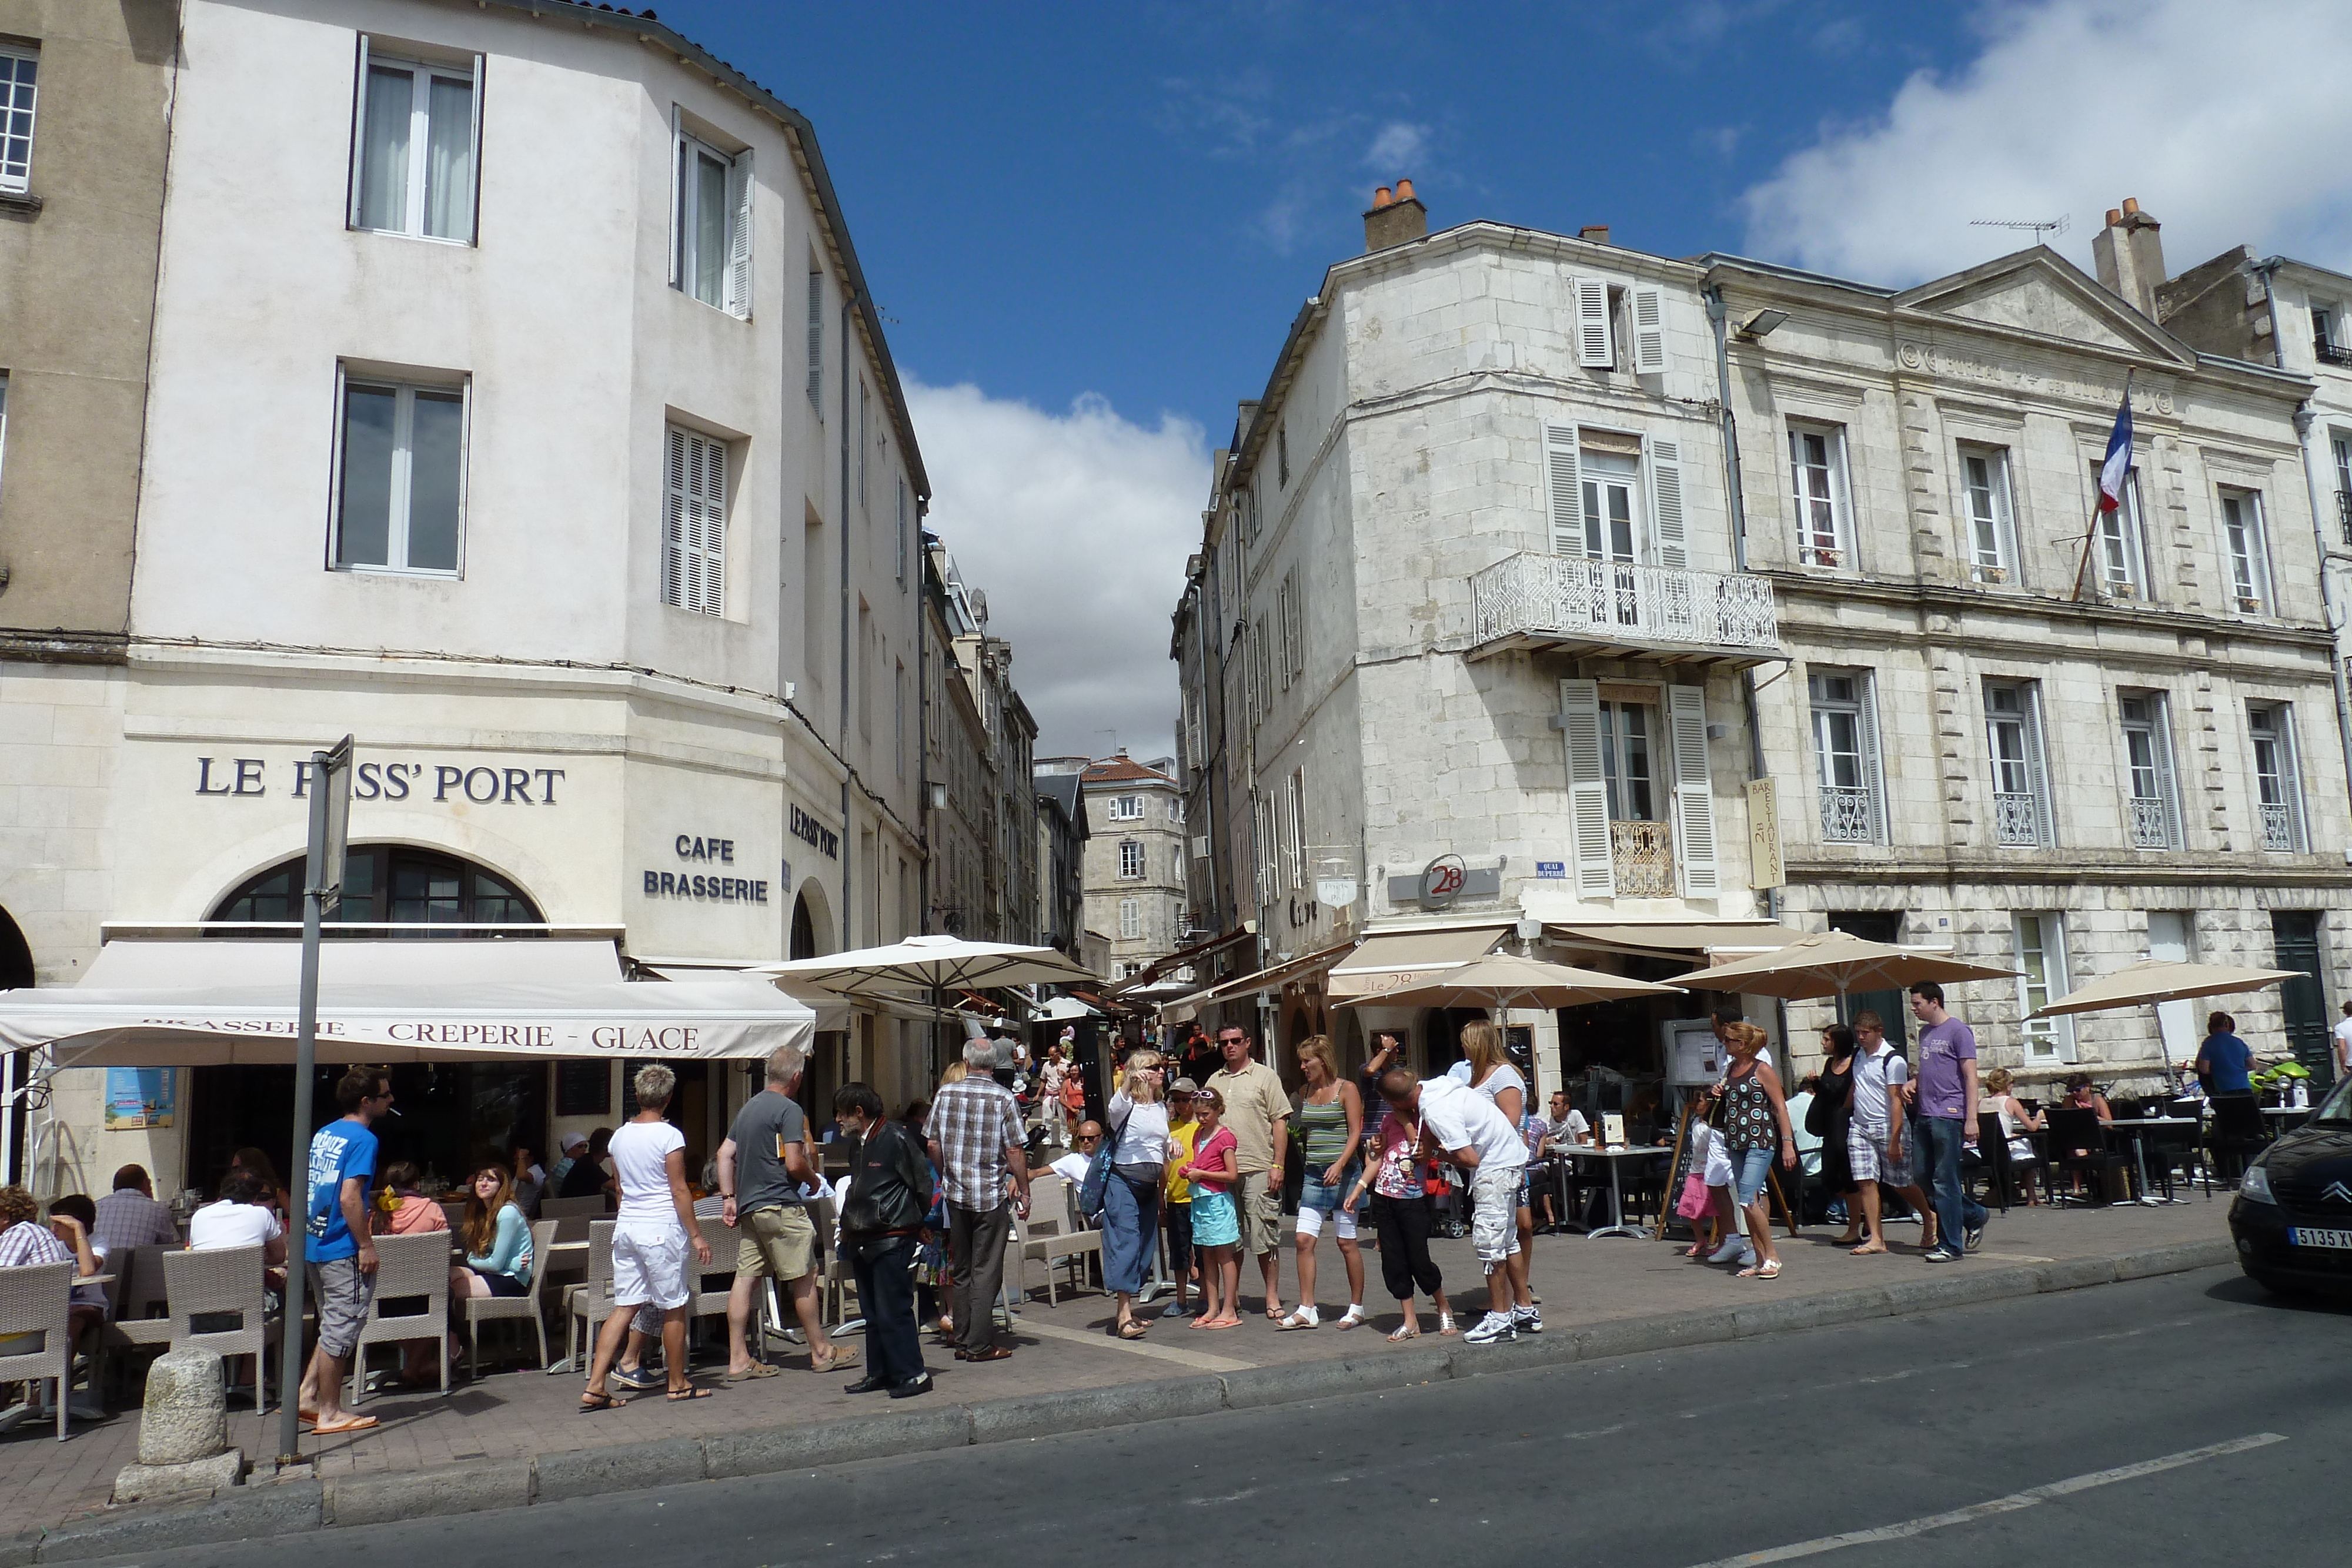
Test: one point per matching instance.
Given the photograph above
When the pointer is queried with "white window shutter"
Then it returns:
(1592, 348)
(1567, 489)
(1588, 788)
(359, 142)
(2036, 766)
(1650, 358)
(1666, 503)
(1694, 792)
(1871, 774)
(738, 237)
(677, 193)
(2160, 742)
(674, 567)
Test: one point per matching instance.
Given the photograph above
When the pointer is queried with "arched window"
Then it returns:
(390, 882)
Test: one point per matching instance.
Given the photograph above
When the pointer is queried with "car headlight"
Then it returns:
(2255, 1185)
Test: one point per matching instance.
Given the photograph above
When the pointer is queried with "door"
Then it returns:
(1893, 1007)
(2295, 945)
(2171, 939)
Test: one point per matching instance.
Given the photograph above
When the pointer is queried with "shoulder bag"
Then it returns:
(1092, 1192)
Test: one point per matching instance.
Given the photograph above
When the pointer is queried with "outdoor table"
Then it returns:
(2139, 1150)
(1558, 1156)
(2283, 1113)
(1616, 1156)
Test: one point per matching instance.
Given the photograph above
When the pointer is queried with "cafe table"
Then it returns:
(1617, 1156)
(2285, 1118)
(2138, 1127)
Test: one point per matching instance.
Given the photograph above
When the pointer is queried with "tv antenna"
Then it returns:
(2040, 226)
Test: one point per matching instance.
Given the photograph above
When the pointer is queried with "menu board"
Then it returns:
(584, 1088)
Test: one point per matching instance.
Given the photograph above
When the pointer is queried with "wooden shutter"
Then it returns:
(1567, 489)
(2160, 742)
(1650, 358)
(359, 142)
(817, 339)
(1694, 792)
(1871, 774)
(1592, 347)
(694, 525)
(677, 193)
(739, 235)
(1588, 788)
(1666, 503)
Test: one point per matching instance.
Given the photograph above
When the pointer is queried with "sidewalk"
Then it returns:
(523, 1416)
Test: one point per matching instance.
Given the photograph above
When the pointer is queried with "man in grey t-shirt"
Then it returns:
(761, 1167)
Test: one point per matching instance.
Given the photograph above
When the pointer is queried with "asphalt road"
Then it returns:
(1655, 1461)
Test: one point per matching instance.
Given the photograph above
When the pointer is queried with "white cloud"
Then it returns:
(2229, 123)
(1398, 149)
(1076, 526)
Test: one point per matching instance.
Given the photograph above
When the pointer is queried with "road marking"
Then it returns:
(1029, 1324)
(2008, 1504)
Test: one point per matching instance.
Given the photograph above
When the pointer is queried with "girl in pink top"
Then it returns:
(1216, 1228)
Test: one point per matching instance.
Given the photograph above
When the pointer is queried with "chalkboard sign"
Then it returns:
(583, 1089)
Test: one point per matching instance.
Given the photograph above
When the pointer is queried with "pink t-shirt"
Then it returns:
(1216, 1152)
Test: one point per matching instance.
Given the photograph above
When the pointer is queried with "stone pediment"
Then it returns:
(2038, 291)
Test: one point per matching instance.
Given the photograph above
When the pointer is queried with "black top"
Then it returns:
(889, 1183)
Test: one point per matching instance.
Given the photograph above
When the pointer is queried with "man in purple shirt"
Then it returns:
(1947, 1117)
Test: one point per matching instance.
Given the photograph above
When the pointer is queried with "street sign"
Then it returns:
(331, 770)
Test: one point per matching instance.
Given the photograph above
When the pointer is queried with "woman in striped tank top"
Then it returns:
(1331, 1125)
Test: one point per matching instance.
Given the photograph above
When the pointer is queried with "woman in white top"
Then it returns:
(1130, 1224)
(1492, 1074)
(651, 1236)
(2016, 1120)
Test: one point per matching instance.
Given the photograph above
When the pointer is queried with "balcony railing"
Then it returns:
(2278, 826)
(2343, 515)
(2151, 823)
(1568, 598)
(1644, 853)
(2332, 353)
(2017, 820)
(1849, 816)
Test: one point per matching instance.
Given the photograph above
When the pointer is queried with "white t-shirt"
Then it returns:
(1072, 1168)
(641, 1152)
(2344, 1038)
(1874, 1078)
(1144, 1140)
(225, 1223)
(1504, 1077)
(1573, 1131)
(1461, 1118)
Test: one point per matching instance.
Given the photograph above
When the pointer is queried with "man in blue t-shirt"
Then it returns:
(1946, 1120)
(2224, 1060)
(339, 1245)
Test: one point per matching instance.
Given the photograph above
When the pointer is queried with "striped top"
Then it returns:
(1324, 1130)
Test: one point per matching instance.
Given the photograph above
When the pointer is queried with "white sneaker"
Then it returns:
(1528, 1320)
(1494, 1328)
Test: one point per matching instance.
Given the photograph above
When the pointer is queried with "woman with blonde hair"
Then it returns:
(2016, 1120)
(1331, 1133)
(1139, 1157)
(1755, 1124)
(1492, 1074)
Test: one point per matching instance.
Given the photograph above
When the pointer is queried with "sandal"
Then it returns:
(1761, 1270)
(592, 1402)
(1445, 1326)
(348, 1424)
(1410, 1331)
(1274, 1312)
(757, 1369)
(679, 1396)
(836, 1357)
(1354, 1316)
(1133, 1329)
(1304, 1318)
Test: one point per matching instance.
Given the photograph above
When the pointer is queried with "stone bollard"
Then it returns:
(183, 1450)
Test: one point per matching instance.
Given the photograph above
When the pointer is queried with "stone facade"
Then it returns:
(1135, 858)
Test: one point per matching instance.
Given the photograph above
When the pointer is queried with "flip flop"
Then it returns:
(348, 1424)
(591, 1403)
(680, 1396)
(1132, 1329)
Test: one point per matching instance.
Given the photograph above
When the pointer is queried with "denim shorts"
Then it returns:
(1325, 1200)
(1748, 1169)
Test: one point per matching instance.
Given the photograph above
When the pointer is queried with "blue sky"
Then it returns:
(1089, 226)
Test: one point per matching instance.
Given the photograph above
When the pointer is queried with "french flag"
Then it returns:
(2119, 457)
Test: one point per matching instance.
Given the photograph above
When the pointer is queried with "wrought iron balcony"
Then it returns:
(2017, 820)
(1617, 607)
(2343, 515)
(1849, 816)
(2330, 353)
(1644, 857)
(2278, 826)
(2151, 823)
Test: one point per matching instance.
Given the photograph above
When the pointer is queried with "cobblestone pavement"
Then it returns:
(1580, 1279)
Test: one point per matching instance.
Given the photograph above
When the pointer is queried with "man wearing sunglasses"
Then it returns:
(1072, 1167)
(1258, 1110)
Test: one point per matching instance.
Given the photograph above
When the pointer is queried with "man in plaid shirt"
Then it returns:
(974, 1133)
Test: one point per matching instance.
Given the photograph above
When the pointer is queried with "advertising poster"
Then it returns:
(139, 1097)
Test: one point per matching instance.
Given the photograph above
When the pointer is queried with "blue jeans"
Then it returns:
(1131, 1227)
(1957, 1213)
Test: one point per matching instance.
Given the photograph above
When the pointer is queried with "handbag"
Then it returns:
(1092, 1192)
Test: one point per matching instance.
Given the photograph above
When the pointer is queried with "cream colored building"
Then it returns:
(1133, 858)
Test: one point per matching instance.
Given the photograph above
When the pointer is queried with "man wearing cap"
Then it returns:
(573, 1146)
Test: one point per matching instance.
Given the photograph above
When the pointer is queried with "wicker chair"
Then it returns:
(141, 1318)
(407, 1267)
(712, 1283)
(37, 1300)
(1051, 1235)
(226, 1283)
(590, 1304)
(512, 1308)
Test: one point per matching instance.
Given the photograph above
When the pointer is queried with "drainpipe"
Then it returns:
(841, 542)
(1717, 316)
(2304, 420)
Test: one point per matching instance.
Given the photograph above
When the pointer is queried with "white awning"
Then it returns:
(1391, 960)
(197, 1004)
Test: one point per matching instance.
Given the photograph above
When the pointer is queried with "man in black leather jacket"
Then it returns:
(889, 1194)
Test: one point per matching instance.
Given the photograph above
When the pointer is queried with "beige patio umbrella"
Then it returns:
(2154, 980)
(1501, 981)
(1835, 964)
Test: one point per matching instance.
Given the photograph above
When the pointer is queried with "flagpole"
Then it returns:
(2084, 565)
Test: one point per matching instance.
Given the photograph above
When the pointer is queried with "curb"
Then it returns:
(276, 1508)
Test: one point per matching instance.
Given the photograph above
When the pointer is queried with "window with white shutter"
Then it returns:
(816, 340)
(1295, 798)
(2278, 796)
(1130, 919)
(694, 524)
(1588, 787)
(906, 540)
(20, 70)
(1561, 471)
(1650, 353)
(711, 240)
(2020, 785)
(1666, 503)
(2243, 545)
(2041, 974)
(2152, 804)
(1992, 525)
(1261, 671)
(1845, 755)
(2119, 559)
(1294, 630)
(1130, 859)
(1593, 348)
(1694, 792)
(400, 480)
(1817, 460)
(414, 140)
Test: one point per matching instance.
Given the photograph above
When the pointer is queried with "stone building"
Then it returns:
(1061, 861)
(1134, 858)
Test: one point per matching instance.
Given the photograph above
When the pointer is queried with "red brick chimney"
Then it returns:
(1394, 219)
(2129, 256)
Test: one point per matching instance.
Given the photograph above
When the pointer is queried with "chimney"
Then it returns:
(1395, 219)
(2130, 254)
(1597, 233)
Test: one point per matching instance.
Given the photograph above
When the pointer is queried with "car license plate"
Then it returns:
(2304, 1236)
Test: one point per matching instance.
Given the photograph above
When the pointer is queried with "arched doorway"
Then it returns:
(453, 1114)
(803, 930)
(16, 1067)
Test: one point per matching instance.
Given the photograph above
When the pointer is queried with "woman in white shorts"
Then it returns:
(650, 1238)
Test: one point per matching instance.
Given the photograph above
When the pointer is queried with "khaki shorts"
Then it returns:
(1259, 1212)
(778, 1242)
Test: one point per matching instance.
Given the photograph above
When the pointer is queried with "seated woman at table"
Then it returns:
(497, 1238)
(71, 1220)
(26, 1241)
(401, 1209)
(2081, 1096)
(2016, 1121)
